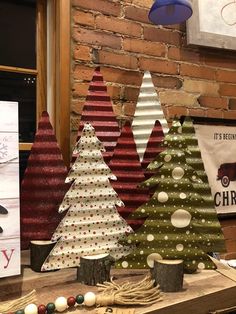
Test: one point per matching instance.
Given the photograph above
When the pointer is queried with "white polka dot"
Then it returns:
(194, 178)
(178, 173)
(182, 196)
(142, 210)
(167, 158)
(166, 237)
(179, 130)
(162, 197)
(125, 264)
(201, 266)
(180, 218)
(152, 257)
(203, 220)
(150, 237)
(179, 247)
(194, 262)
(162, 176)
(141, 252)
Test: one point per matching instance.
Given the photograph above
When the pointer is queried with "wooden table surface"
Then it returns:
(202, 292)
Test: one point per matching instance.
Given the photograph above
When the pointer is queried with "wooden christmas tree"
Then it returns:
(194, 159)
(3, 211)
(92, 225)
(176, 225)
(43, 186)
(99, 112)
(127, 168)
(148, 110)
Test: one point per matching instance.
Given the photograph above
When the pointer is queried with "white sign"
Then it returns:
(218, 150)
(9, 190)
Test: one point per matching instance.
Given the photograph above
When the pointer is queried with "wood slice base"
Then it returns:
(94, 269)
(168, 274)
(39, 250)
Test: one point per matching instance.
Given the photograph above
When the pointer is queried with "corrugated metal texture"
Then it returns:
(148, 110)
(43, 186)
(154, 147)
(126, 166)
(99, 112)
(92, 224)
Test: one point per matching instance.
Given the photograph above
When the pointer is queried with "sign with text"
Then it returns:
(218, 149)
(9, 190)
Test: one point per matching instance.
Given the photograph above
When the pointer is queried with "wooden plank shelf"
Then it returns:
(202, 292)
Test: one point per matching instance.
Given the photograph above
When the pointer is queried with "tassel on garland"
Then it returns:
(14, 305)
(111, 293)
(129, 293)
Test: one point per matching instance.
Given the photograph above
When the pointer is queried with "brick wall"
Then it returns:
(118, 36)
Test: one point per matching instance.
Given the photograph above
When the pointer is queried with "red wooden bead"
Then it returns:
(71, 301)
(42, 309)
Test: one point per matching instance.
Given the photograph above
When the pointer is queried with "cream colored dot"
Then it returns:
(194, 178)
(150, 237)
(167, 158)
(141, 252)
(201, 266)
(162, 197)
(179, 247)
(203, 220)
(194, 262)
(180, 218)
(152, 257)
(166, 237)
(124, 264)
(162, 176)
(142, 210)
(182, 196)
(178, 173)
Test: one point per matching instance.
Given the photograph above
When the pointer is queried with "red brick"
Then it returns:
(120, 26)
(117, 108)
(183, 55)
(226, 76)
(137, 14)
(197, 71)
(129, 108)
(143, 3)
(162, 35)
(221, 60)
(131, 93)
(82, 53)
(82, 72)
(228, 90)
(83, 18)
(144, 47)
(198, 112)
(77, 106)
(117, 59)
(122, 76)
(232, 104)
(80, 89)
(96, 38)
(113, 91)
(176, 111)
(157, 65)
(229, 114)
(170, 82)
(215, 113)
(213, 102)
(103, 6)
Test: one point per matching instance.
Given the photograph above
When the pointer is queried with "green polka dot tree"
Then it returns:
(92, 225)
(173, 225)
(215, 241)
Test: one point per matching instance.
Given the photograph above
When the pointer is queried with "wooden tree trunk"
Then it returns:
(94, 269)
(39, 250)
(168, 274)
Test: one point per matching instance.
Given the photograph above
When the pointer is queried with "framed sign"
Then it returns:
(9, 190)
(217, 143)
(213, 24)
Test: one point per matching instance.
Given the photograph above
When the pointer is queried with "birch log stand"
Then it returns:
(168, 274)
(94, 269)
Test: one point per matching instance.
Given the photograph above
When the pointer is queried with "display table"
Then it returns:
(204, 291)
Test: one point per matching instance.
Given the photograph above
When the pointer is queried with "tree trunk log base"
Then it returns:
(168, 274)
(94, 269)
(39, 250)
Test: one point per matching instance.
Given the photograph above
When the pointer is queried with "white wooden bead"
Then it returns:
(31, 309)
(89, 299)
(61, 304)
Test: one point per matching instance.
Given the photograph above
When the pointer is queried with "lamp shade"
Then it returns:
(167, 12)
